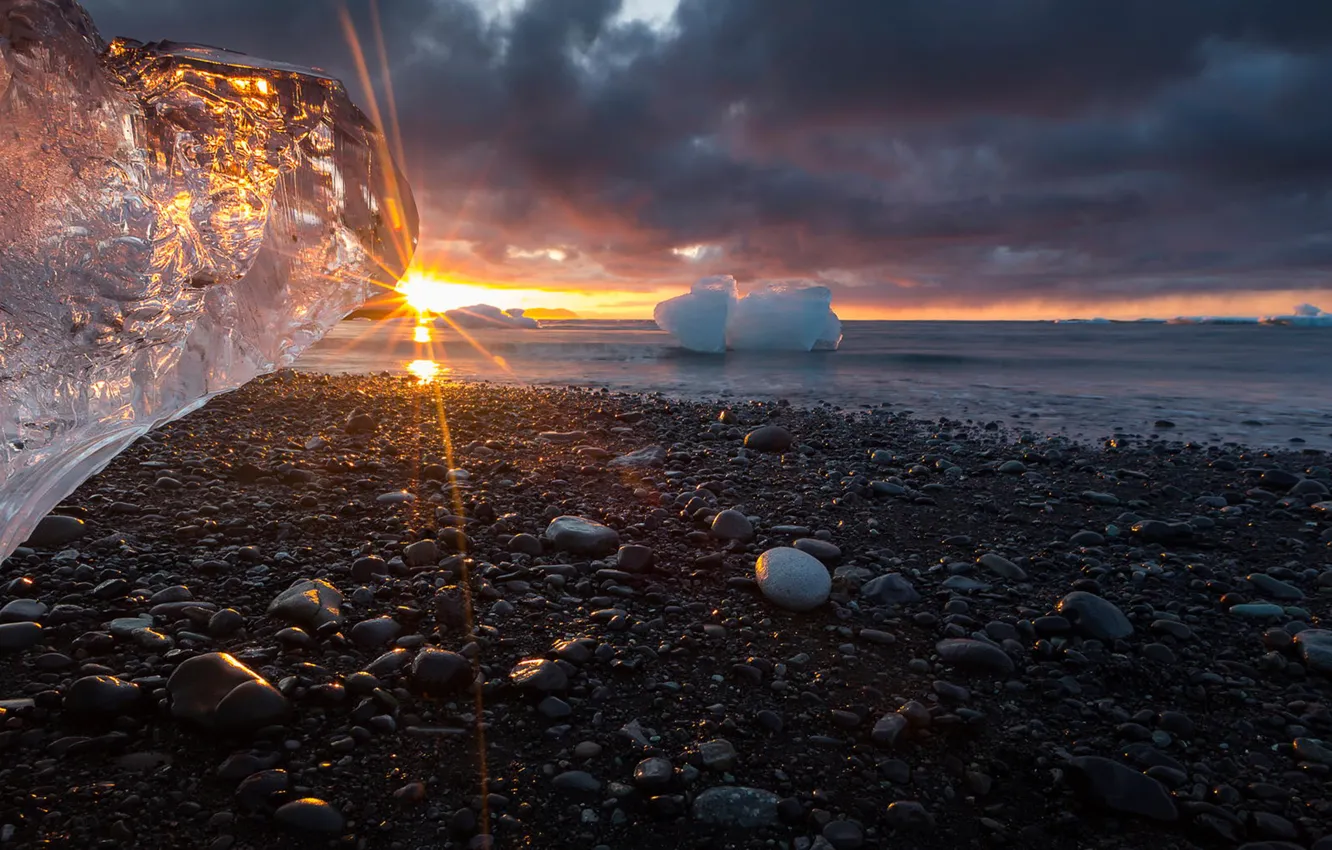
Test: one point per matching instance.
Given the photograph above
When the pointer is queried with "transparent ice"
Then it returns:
(174, 220)
(775, 317)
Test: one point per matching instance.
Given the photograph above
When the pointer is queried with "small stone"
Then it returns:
(654, 774)
(101, 697)
(225, 623)
(889, 589)
(769, 438)
(717, 755)
(732, 525)
(1120, 788)
(539, 674)
(1094, 617)
(1274, 588)
(372, 634)
(1087, 538)
(581, 536)
(576, 782)
(310, 814)
(844, 835)
(736, 806)
(441, 674)
(1012, 467)
(308, 603)
(1258, 611)
(1315, 648)
(217, 691)
(643, 458)
(792, 579)
(978, 655)
(888, 728)
(1002, 567)
(55, 532)
(422, 553)
(633, 558)
(821, 549)
(17, 636)
(909, 815)
(525, 544)
(22, 611)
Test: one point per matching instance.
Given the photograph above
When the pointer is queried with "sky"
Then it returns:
(922, 158)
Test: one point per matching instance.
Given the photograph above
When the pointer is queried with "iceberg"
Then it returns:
(775, 317)
(1304, 316)
(698, 320)
(175, 220)
(485, 316)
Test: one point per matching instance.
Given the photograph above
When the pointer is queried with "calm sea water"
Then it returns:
(1257, 385)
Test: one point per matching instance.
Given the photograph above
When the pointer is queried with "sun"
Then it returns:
(426, 293)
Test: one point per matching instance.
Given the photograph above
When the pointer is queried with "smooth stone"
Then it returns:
(1012, 467)
(792, 579)
(1087, 538)
(1315, 648)
(201, 690)
(633, 558)
(1309, 487)
(821, 549)
(1258, 610)
(422, 553)
(576, 782)
(1265, 585)
(372, 634)
(440, 673)
(1002, 567)
(582, 536)
(654, 774)
(101, 696)
(978, 655)
(769, 438)
(1094, 617)
(226, 622)
(525, 544)
(55, 532)
(308, 602)
(732, 525)
(643, 458)
(539, 674)
(310, 814)
(888, 728)
(1121, 788)
(736, 806)
(123, 627)
(396, 497)
(17, 636)
(889, 589)
(22, 611)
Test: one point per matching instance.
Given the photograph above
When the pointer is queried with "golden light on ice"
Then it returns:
(422, 333)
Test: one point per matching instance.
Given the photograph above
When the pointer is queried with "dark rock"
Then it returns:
(977, 655)
(310, 814)
(218, 692)
(581, 536)
(55, 532)
(736, 806)
(1094, 617)
(308, 603)
(439, 673)
(101, 697)
(1120, 788)
(769, 438)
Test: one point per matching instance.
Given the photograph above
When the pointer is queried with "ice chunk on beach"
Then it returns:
(698, 320)
(780, 317)
(485, 316)
(775, 317)
(174, 220)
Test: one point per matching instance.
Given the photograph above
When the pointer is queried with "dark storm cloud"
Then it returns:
(915, 149)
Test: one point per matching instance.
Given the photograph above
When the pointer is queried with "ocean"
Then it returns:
(1260, 386)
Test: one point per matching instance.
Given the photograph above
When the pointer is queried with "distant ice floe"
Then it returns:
(480, 316)
(1304, 316)
(713, 318)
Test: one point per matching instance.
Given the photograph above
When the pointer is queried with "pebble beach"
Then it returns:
(371, 612)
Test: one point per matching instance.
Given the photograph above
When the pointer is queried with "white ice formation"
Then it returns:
(713, 318)
(482, 316)
(174, 220)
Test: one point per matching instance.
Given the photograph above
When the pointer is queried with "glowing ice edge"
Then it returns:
(713, 318)
(1303, 316)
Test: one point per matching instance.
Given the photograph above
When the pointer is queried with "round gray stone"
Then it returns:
(792, 579)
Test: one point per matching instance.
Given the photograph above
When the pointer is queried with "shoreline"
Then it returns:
(854, 724)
